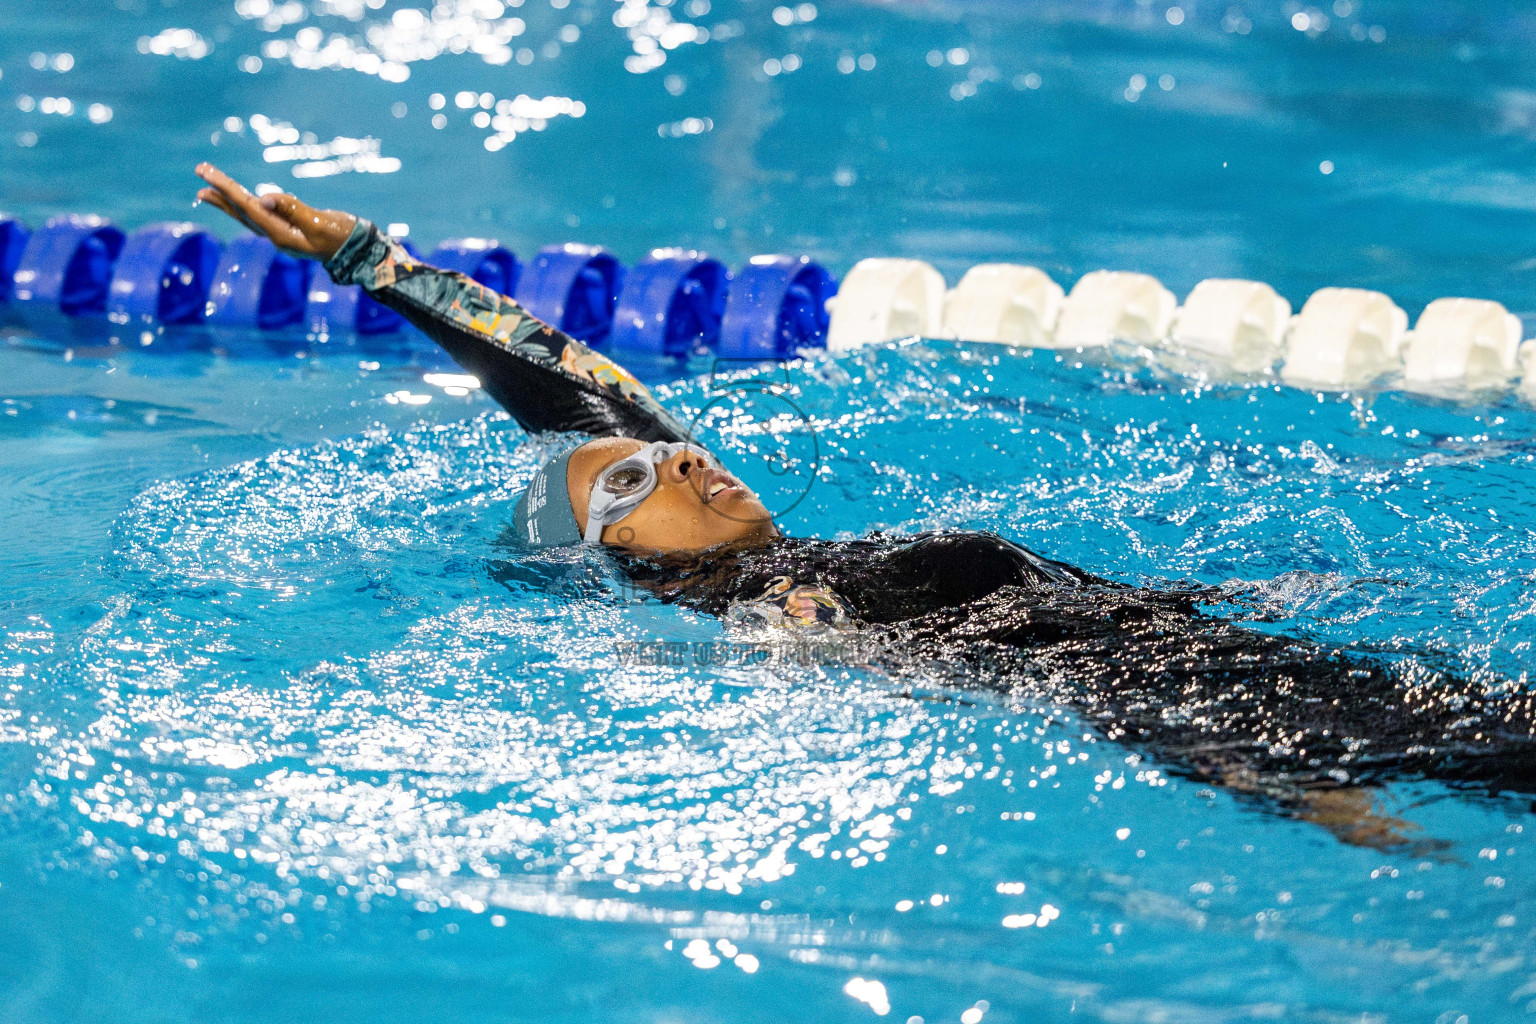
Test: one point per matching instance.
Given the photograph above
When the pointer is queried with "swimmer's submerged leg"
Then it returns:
(1355, 816)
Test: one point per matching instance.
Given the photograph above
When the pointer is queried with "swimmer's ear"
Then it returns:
(293, 226)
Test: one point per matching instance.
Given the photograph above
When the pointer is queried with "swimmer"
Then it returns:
(1305, 728)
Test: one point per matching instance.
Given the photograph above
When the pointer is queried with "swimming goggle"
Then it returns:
(624, 485)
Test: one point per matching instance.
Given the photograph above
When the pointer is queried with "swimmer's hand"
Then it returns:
(294, 227)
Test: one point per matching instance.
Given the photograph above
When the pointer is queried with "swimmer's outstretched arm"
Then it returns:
(544, 378)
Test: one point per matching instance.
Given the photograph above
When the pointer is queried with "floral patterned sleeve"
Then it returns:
(544, 378)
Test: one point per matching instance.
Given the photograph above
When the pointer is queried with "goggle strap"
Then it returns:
(597, 518)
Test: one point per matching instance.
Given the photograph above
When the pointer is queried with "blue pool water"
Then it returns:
(287, 731)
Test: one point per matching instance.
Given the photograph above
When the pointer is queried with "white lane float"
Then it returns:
(1004, 303)
(1107, 305)
(1242, 323)
(1343, 337)
(1527, 360)
(884, 299)
(1463, 340)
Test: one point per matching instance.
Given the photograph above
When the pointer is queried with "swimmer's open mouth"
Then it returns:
(718, 482)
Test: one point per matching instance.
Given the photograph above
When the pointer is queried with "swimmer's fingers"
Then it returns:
(223, 183)
(279, 235)
(213, 198)
(292, 225)
(236, 200)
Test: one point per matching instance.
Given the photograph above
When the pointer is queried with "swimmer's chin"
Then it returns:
(765, 535)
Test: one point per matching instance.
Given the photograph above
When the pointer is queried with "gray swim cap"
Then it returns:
(543, 516)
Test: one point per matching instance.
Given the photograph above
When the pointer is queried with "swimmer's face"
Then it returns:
(690, 511)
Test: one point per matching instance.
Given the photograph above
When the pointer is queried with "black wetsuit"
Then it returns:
(1212, 699)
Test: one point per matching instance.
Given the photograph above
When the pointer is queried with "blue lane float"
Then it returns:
(67, 265)
(346, 309)
(255, 285)
(163, 275)
(13, 239)
(777, 306)
(672, 303)
(482, 259)
(574, 287)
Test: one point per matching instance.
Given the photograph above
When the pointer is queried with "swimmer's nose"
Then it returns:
(684, 467)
